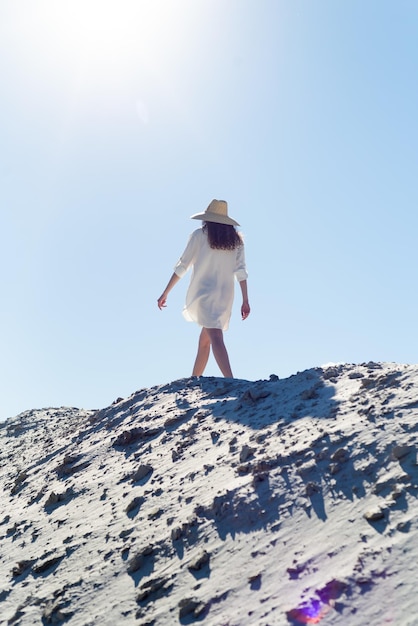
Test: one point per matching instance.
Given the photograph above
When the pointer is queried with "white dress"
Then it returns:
(211, 291)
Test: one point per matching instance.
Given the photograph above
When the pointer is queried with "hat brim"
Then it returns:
(214, 217)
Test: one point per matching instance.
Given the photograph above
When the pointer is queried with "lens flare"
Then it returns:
(313, 610)
(310, 612)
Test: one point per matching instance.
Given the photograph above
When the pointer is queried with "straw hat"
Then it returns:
(217, 211)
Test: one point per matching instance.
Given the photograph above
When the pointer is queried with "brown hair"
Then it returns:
(222, 236)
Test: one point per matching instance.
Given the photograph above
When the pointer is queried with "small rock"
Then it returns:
(53, 498)
(128, 437)
(176, 533)
(403, 527)
(54, 613)
(396, 492)
(255, 582)
(44, 566)
(134, 504)
(311, 488)
(334, 468)
(70, 458)
(354, 375)
(322, 454)
(309, 394)
(399, 452)
(156, 587)
(259, 477)
(142, 472)
(135, 563)
(138, 560)
(215, 436)
(21, 567)
(256, 393)
(374, 515)
(58, 498)
(295, 571)
(191, 606)
(341, 455)
(246, 453)
(200, 561)
(19, 480)
(155, 513)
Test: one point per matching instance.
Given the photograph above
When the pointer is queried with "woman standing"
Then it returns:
(216, 253)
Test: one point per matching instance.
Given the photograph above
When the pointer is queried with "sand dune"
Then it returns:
(215, 501)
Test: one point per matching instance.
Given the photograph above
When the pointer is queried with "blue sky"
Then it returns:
(120, 119)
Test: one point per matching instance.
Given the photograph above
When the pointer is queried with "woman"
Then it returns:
(216, 252)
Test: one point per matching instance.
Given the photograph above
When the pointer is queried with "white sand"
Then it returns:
(218, 502)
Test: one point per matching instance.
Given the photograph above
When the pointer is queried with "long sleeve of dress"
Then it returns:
(240, 267)
(188, 256)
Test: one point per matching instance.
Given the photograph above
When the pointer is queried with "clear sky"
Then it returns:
(119, 119)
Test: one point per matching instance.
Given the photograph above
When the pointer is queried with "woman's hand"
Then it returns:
(245, 310)
(162, 301)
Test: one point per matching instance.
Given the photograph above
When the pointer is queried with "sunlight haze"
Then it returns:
(119, 120)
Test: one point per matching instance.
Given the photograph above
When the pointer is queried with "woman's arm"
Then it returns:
(162, 300)
(245, 308)
(181, 268)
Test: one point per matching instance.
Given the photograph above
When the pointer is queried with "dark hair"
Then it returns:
(222, 236)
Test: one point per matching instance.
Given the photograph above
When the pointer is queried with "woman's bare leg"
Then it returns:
(219, 351)
(203, 351)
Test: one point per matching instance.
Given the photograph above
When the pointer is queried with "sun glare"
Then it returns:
(104, 41)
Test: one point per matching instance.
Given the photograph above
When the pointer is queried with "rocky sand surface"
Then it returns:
(216, 501)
